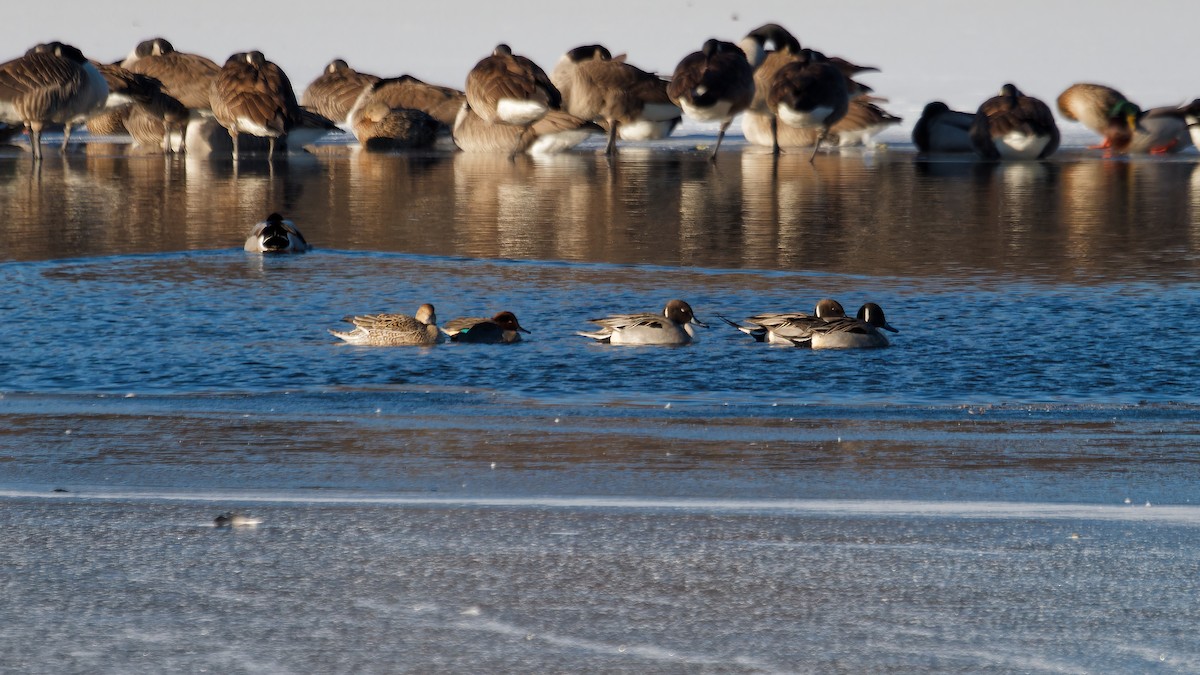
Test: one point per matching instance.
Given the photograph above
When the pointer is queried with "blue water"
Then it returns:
(1009, 487)
(228, 321)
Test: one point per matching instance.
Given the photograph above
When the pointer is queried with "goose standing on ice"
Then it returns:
(149, 114)
(507, 88)
(785, 49)
(617, 95)
(51, 84)
(809, 93)
(713, 85)
(252, 95)
(1014, 126)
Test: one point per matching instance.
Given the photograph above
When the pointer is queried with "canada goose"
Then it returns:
(785, 49)
(1014, 126)
(158, 117)
(51, 84)
(187, 77)
(612, 92)
(378, 127)
(505, 88)
(394, 330)
(713, 84)
(809, 93)
(556, 132)
(941, 129)
(335, 91)
(406, 91)
(254, 96)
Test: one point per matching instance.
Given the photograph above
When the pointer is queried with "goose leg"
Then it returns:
(611, 149)
(270, 147)
(520, 145)
(66, 136)
(720, 137)
(774, 135)
(817, 146)
(35, 139)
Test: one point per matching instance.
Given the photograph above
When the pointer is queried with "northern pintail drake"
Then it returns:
(614, 93)
(276, 235)
(51, 84)
(675, 326)
(941, 129)
(500, 329)
(794, 329)
(713, 85)
(860, 332)
(394, 330)
(233, 519)
(1014, 126)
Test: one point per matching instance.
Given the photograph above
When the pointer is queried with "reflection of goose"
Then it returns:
(51, 84)
(672, 327)
(554, 133)
(335, 90)
(713, 85)
(252, 95)
(500, 329)
(615, 94)
(276, 235)
(1014, 126)
(507, 88)
(941, 129)
(394, 330)
(790, 328)
(860, 332)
